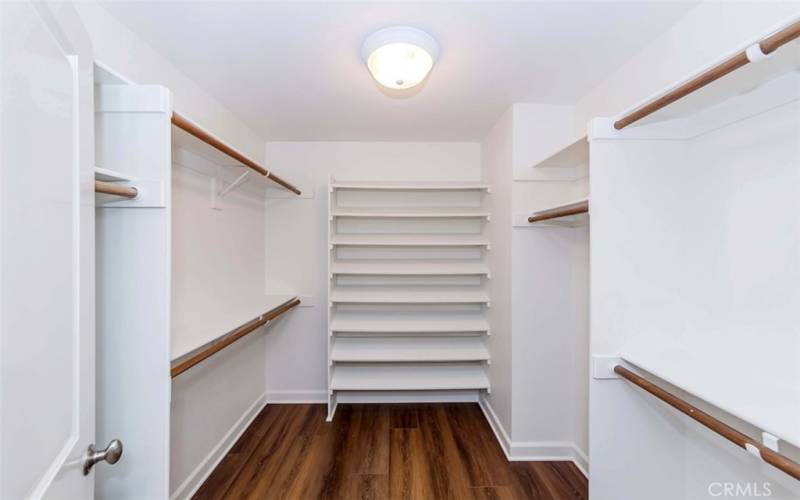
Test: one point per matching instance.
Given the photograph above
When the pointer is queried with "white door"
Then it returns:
(46, 253)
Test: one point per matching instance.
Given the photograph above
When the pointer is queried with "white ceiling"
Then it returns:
(292, 70)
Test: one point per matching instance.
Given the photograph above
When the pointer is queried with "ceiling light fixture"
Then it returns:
(400, 57)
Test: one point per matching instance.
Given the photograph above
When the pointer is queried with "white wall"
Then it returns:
(539, 290)
(296, 233)
(550, 301)
(217, 256)
(496, 163)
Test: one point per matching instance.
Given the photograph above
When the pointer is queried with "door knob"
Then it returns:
(111, 455)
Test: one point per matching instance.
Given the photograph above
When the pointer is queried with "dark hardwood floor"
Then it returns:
(438, 451)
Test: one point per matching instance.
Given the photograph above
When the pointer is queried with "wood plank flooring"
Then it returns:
(435, 451)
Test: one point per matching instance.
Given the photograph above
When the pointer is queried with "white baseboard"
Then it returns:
(296, 397)
(534, 450)
(497, 427)
(200, 473)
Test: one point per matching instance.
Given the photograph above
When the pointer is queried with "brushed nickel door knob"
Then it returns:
(111, 455)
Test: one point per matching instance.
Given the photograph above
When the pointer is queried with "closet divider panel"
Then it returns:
(133, 146)
(407, 292)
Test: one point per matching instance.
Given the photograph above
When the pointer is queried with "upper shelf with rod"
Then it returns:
(732, 77)
(185, 124)
(206, 338)
(767, 452)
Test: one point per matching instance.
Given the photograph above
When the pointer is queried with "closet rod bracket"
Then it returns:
(770, 441)
(603, 367)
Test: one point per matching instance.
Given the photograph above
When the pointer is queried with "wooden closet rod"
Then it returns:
(768, 46)
(192, 358)
(187, 125)
(742, 440)
(554, 213)
(115, 189)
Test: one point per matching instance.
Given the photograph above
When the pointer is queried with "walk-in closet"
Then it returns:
(537, 250)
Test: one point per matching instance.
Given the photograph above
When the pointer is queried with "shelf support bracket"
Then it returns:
(233, 184)
(217, 195)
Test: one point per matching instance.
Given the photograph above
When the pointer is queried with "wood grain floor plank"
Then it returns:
(366, 450)
(282, 445)
(528, 483)
(494, 493)
(549, 480)
(322, 473)
(409, 475)
(449, 474)
(404, 416)
(220, 480)
(378, 452)
(477, 447)
(366, 487)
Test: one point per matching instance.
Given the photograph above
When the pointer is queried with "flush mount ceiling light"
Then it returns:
(400, 57)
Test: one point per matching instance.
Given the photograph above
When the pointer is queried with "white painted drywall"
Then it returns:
(496, 164)
(296, 234)
(539, 289)
(549, 301)
(217, 255)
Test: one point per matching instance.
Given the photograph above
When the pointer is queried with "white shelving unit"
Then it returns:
(407, 292)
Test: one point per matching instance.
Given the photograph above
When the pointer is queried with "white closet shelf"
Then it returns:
(409, 213)
(201, 328)
(408, 377)
(409, 186)
(106, 175)
(410, 268)
(568, 204)
(345, 323)
(572, 155)
(410, 240)
(408, 295)
(408, 349)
